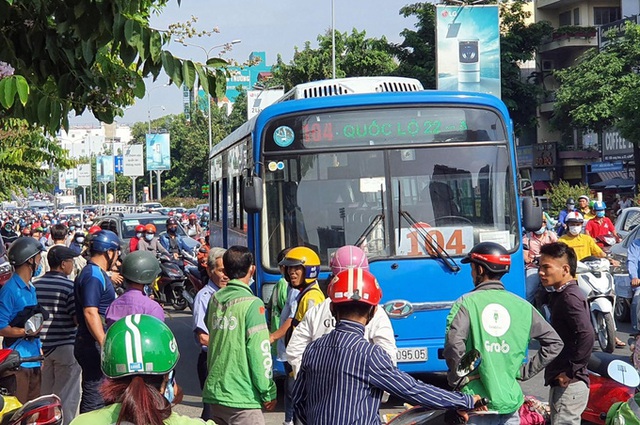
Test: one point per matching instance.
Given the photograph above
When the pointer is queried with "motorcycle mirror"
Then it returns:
(468, 363)
(33, 325)
(623, 373)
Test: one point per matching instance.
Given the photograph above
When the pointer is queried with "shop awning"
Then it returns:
(608, 175)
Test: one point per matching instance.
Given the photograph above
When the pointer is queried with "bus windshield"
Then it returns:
(386, 198)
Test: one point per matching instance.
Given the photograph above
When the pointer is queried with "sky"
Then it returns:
(275, 27)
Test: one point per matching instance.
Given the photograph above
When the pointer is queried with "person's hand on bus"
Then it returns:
(270, 405)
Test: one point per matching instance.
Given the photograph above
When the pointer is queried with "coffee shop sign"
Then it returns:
(615, 147)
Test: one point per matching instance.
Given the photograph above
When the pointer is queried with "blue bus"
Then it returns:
(415, 178)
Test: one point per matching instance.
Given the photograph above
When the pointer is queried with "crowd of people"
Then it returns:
(111, 359)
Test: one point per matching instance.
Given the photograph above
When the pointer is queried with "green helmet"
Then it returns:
(139, 344)
(140, 267)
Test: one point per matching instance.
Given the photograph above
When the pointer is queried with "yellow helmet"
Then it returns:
(303, 256)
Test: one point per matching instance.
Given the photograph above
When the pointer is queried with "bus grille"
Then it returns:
(397, 86)
(325, 90)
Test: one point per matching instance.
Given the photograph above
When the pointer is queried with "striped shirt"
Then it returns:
(55, 293)
(342, 378)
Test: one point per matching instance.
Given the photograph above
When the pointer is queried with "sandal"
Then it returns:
(620, 344)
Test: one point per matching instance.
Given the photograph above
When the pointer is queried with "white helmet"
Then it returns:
(574, 217)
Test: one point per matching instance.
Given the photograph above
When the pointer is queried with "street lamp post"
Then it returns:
(333, 39)
(207, 56)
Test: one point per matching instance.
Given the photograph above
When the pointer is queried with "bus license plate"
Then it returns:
(413, 354)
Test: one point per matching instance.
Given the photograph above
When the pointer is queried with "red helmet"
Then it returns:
(94, 229)
(150, 228)
(140, 228)
(193, 216)
(171, 213)
(355, 285)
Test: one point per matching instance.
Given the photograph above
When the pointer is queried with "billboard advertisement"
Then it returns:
(71, 178)
(133, 161)
(61, 180)
(468, 48)
(158, 152)
(84, 174)
(257, 100)
(104, 169)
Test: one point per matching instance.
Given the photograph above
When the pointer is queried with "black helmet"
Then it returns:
(172, 220)
(23, 249)
(490, 255)
(140, 267)
(570, 201)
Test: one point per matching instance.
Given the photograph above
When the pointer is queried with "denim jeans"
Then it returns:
(87, 353)
(634, 308)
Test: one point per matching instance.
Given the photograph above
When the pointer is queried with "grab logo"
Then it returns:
(225, 323)
(495, 320)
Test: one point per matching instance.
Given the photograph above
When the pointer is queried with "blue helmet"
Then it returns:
(104, 240)
(599, 206)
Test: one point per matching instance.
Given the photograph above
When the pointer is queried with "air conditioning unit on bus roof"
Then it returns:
(354, 85)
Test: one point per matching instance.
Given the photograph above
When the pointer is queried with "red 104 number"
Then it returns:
(453, 245)
(317, 132)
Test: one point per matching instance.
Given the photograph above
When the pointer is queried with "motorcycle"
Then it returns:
(596, 284)
(44, 410)
(193, 283)
(169, 287)
(612, 380)
(416, 415)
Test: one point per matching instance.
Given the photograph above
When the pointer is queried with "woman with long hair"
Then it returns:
(138, 359)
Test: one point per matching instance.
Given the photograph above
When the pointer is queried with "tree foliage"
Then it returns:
(70, 55)
(558, 194)
(417, 53)
(518, 43)
(356, 56)
(26, 157)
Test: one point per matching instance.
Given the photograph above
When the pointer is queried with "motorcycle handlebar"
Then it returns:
(31, 359)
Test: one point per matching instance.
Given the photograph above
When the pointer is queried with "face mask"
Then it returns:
(540, 231)
(571, 207)
(575, 230)
(148, 236)
(172, 229)
(599, 214)
(72, 228)
(38, 270)
(80, 240)
(169, 392)
(138, 235)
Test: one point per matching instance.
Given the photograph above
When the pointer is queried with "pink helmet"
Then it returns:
(348, 257)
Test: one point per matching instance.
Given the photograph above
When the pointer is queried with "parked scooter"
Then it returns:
(44, 410)
(612, 380)
(418, 415)
(596, 283)
(169, 287)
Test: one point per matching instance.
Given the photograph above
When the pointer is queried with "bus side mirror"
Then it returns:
(252, 194)
(531, 215)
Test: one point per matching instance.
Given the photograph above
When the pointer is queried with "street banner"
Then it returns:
(158, 152)
(84, 174)
(133, 161)
(117, 164)
(71, 178)
(104, 168)
(257, 100)
(468, 48)
(61, 180)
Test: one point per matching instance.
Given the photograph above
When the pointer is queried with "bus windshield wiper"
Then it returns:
(428, 239)
(374, 223)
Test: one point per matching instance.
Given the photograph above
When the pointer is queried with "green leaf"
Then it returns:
(127, 54)
(139, 88)
(87, 51)
(167, 63)
(217, 63)
(23, 89)
(128, 29)
(155, 45)
(8, 91)
(202, 78)
(43, 110)
(55, 115)
(188, 73)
